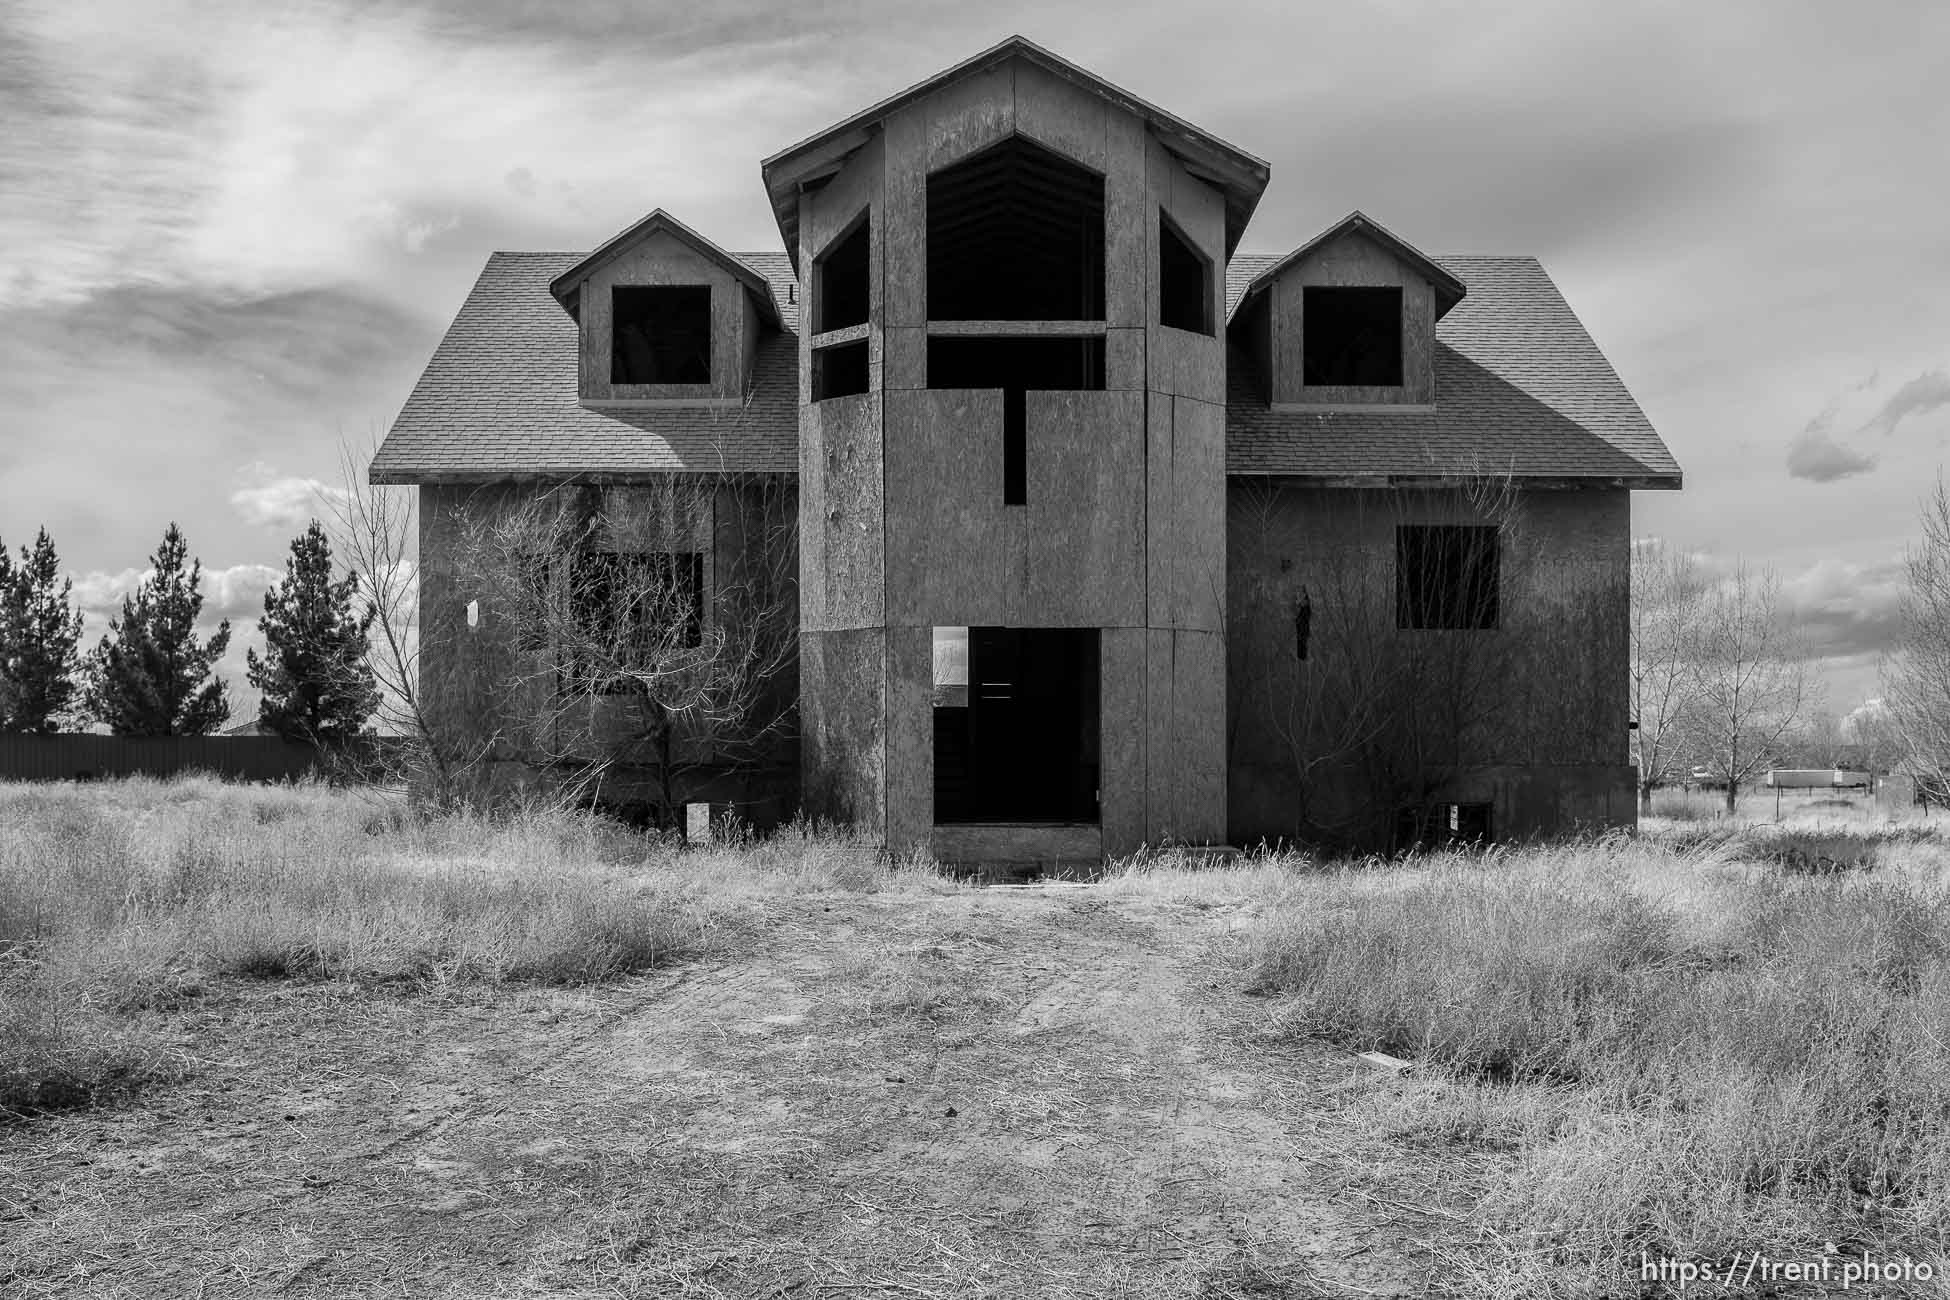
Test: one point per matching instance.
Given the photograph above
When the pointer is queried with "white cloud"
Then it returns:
(259, 148)
(1919, 396)
(232, 593)
(283, 501)
(1819, 458)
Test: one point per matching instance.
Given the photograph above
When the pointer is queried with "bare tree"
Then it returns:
(654, 629)
(1667, 593)
(1751, 680)
(374, 531)
(1916, 674)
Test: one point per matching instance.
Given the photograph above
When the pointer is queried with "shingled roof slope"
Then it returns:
(1520, 386)
(500, 398)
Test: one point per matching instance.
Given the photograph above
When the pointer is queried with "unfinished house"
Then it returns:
(1104, 532)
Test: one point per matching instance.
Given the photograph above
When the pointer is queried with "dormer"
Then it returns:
(666, 318)
(1347, 321)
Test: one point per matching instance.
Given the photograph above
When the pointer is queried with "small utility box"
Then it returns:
(703, 822)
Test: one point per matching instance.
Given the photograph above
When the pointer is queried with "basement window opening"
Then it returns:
(661, 334)
(1446, 577)
(1441, 824)
(1184, 281)
(1351, 337)
(840, 370)
(1016, 232)
(840, 274)
(1017, 366)
(1016, 725)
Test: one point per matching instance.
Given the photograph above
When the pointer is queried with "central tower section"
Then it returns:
(1012, 462)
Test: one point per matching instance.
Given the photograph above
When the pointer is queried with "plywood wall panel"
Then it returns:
(1126, 208)
(1060, 115)
(1085, 558)
(905, 351)
(843, 740)
(1121, 780)
(1161, 759)
(904, 243)
(1198, 496)
(852, 522)
(1161, 537)
(967, 116)
(910, 736)
(1197, 798)
(949, 556)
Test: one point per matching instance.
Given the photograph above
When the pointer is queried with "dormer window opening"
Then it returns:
(661, 334)
(1352, 337)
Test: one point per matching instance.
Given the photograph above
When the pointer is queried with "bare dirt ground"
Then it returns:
(981, 1093)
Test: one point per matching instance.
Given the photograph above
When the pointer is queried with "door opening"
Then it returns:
(1016, 725)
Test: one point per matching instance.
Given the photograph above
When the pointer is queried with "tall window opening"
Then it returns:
(1016, 232)
(1016, 366)
(1446, 576)
(1016, 724)
(1352, 337)
(1184, 281)
(843, 284)
(661, 334)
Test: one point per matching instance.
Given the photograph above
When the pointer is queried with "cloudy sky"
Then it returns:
(231, 234)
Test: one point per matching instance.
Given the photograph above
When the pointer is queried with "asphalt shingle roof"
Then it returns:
(499, 399)
(1520, 389)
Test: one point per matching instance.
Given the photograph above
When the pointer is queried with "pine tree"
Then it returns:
(316, 680)
(40, 632)
(150, 676)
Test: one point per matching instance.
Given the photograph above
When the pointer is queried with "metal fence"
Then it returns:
(89, 758)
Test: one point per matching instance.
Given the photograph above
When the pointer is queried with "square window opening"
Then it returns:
(632, 610)
(1351, 337)
(840, 370)
(661, 334)
(1446, 577)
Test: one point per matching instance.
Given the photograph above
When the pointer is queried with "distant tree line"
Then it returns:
(154, 674)
(1721, 685)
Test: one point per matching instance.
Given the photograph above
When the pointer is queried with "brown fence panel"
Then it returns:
(87, 758)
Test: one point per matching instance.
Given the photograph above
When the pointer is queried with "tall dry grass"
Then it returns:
(1692, 1051)
(122, 900)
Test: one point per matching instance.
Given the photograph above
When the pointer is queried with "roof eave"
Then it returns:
(1449, 289)
(1651, 480)
(565, 287)
(1241, 176)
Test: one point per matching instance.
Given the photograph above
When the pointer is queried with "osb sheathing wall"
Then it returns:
(902, 520)
(486, 699)
(1547, 740)
(664, 259)
(1350, 261)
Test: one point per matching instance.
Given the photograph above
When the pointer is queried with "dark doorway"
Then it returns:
(1019, 743)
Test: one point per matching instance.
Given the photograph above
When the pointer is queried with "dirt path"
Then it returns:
(988, 1093)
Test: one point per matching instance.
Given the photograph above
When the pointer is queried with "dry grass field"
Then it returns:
(291, 1041)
